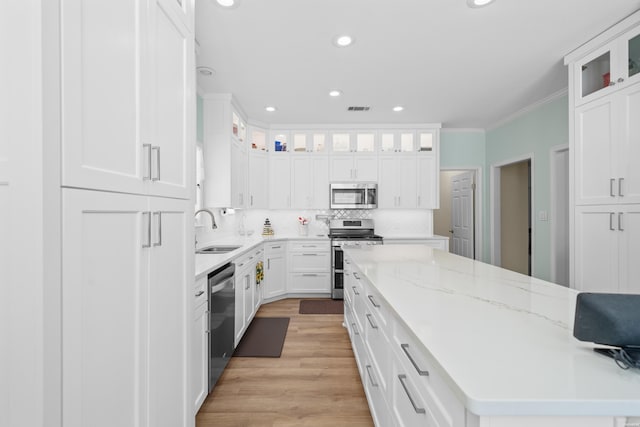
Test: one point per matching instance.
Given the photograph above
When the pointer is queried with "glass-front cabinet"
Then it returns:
(353, 142)
(308, 142)
(397, 141)
(258, 139)
(612, 67)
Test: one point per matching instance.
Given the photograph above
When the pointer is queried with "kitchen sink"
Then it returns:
(216, 249)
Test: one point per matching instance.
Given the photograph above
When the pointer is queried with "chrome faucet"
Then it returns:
(213, 218)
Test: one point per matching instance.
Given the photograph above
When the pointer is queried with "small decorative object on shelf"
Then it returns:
(267, 230)
(303, 226)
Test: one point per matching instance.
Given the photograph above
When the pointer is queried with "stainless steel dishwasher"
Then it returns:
(222, 308)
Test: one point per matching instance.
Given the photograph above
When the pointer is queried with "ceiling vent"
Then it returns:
(358, 108)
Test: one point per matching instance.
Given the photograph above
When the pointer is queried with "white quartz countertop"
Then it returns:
(206, 263)
(502, 340)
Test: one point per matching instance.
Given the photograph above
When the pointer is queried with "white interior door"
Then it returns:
(462, 205)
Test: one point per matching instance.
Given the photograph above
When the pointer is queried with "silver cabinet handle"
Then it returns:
(356, 275)
(309, 246)
(611, 214)
(373, 383)
(309, 275)
(405, 348)
(355, 290)
(147, 176)
(309, 254)
(148, 244)
(611, 182)
(355, 329)
(620, 221)
(157, 177)
(373, 325)
(159, 222)
(375, 304)
(620, 187)
(418, 410)
(251, 199)
(268, 263)
(248, 282)
(620, 79)
(419, 204)
(199, 293)
(275, 247)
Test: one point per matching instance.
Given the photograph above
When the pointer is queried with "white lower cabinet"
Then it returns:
(200, 345)
(606, 251)
(401, 384)
(244, 295)
(309, 267)
(275, 270)
(126, 298)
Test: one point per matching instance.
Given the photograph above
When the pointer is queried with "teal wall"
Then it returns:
(200, 122)
(467, 149)
(535, 132)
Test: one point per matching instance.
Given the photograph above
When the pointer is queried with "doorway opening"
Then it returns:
(459, 216)
(512, 243)
(559, 217)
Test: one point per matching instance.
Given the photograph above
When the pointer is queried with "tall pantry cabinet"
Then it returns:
(128, 132)
(604, 102)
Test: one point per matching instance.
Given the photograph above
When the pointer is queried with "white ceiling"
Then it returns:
(441, 60)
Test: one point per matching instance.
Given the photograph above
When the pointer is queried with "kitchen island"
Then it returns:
(445, 340)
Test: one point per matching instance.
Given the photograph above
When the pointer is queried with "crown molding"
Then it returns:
(528, 109)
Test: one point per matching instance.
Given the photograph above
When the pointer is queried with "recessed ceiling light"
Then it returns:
(478, 3)
(398, 108)
(335, 93)
(270, 108)
(206, 71)
(343, 40)
(228, 3)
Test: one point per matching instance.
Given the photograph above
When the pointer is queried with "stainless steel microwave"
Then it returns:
(354, 195)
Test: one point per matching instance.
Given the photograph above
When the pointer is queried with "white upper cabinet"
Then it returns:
(310, 182)
(279, 182)
(308, 142)
(397, 183)
(258, 180)
(613, 66)
(346, 141)
(397, 141)
(126, 97)
(607, 146)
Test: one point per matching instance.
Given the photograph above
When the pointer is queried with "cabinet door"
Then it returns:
(596, 249)
(275, 272)
(172, 101)
(595, 133)
(342, 168)
(596, 74)
(320, 188)
(428, 192)
(388, 183)
(249, 280)
(628, 177)
(279, 182)
(104, 315)
(258, 180)
(301, 182)
(238, 176)
(629, 229)
(407, 182)
(366, 168)
(169, 297)
(199, 357)
(104, 122)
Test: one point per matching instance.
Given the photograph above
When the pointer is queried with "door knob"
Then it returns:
(451, 231)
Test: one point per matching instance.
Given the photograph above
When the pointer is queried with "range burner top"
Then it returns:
(353, 230)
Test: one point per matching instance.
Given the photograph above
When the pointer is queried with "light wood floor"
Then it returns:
(314, 383)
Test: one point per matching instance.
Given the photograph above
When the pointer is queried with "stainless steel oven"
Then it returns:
(344, 233)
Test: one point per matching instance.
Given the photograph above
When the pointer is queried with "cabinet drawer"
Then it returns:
(407, 405)
(310, 282)
(376, 304)
(310, 261)
(377, 344)
(421, 373)
(309, 246)
(275, 248)
(375, 394)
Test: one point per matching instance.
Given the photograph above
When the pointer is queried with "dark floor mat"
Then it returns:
(321, 306)
(263, 338)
